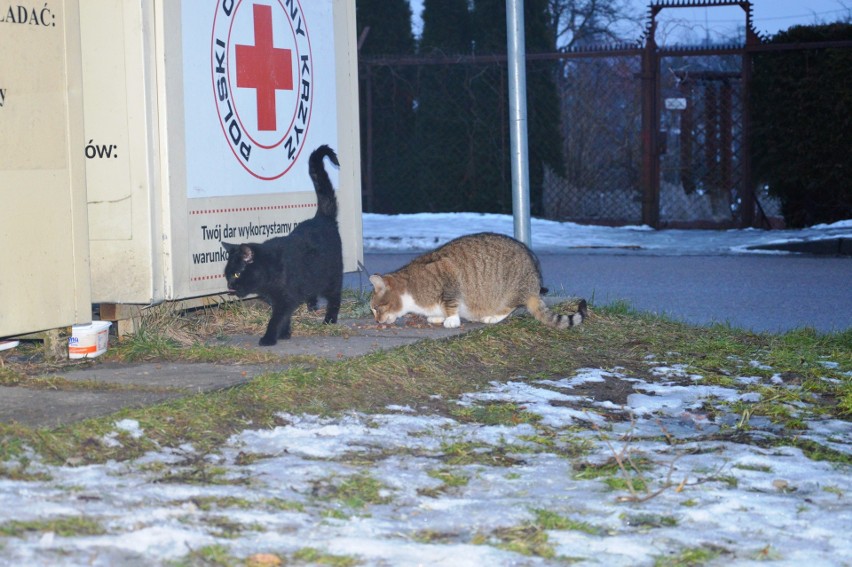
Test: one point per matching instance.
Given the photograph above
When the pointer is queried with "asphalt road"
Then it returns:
(757, 292)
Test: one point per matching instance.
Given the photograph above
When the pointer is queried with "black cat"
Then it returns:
(290, 270)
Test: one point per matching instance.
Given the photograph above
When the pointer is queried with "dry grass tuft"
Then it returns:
(432, 373)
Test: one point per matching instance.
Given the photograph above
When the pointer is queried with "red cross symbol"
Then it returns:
(264, 67)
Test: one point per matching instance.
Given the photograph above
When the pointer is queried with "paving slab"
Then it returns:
(183, 377)
(112, 386)
(52, 408)
(359, 337)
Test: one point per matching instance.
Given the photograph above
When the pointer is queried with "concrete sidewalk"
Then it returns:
(110, 387)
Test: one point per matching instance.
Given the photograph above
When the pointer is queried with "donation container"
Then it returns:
(200, 116)
(44, 270)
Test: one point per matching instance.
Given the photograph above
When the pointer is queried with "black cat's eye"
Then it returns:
(237, 276)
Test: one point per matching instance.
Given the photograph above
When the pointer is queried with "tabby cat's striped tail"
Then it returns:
(540, 311)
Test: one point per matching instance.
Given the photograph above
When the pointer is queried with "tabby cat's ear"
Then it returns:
(378, 283)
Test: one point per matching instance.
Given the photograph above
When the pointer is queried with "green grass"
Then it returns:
(216, 555)
(463, 453)
(755, 468)
(613, 475)
(63, 527)
(224, 527)
(434, 373)
(647, 521)
(312, 556)
(527, 539)
(355, 492)
(495, 414)
(20, 471)
(449, 479)
(816, 451)
(548, 520)
(691, 557)
(530, 538)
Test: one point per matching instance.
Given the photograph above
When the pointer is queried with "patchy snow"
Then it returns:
(446, 492)
(281, 490)
(425, 231)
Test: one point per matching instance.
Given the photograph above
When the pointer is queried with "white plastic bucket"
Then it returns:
(89, 341)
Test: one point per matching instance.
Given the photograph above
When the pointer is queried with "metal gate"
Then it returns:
(650, 134)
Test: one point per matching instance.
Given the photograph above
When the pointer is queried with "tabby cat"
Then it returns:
(479, 277)
(290, 270)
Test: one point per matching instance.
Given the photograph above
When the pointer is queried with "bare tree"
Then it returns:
(583, 22)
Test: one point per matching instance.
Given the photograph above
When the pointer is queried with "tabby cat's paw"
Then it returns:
(452, 322)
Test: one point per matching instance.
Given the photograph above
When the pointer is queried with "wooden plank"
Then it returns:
(128, 316)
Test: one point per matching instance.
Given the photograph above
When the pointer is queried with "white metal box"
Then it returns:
(44, 278)
(199, 120)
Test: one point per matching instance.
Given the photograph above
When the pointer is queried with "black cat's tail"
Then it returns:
(326, 200)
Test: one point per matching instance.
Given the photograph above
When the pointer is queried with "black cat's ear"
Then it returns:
(247, 252)
(229, 248)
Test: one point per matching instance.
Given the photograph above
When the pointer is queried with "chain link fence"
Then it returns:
(451, 149)
(600, 105)
(703, 158)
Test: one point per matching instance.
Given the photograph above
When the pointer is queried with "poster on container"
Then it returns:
(259, 95)
(200, 116)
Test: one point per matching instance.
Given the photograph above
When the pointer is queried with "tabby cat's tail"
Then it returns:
(539, 310)
(326, 200)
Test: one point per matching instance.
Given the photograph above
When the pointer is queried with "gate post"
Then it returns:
(368, 162)
(748, 198)
(650, 131)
